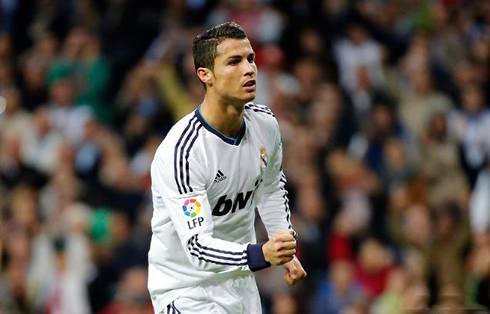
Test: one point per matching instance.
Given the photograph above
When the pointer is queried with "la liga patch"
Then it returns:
(191, 208)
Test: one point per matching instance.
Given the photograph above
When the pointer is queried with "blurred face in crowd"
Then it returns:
(16, 273)
(357, 34)
(416, 297)
(418, 224)
(373, 257)
(13, 101)
(18, 246)
(437, 126)
(75, 42)
(234, 74)
(382, 120)
(445, 224)
(394, 154)
(307, 71)
(284, 303)
(472, 99)
(397, 281)
(33, 74)
(311, 41)
(342, 275)
(5, 72)
(47, 45)
(24, 207)
(41, 121)
(5, 45)
(62, 93)
(422, 81)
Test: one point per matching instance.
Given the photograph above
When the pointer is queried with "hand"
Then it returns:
(280, 249)
(294, 272)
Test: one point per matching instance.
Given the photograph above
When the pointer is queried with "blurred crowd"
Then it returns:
(384, 113)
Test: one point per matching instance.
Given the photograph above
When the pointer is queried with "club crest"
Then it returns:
(264, 159)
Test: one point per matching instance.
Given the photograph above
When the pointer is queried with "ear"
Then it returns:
(205, 75)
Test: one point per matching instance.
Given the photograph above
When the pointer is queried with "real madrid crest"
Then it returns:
(264, 159)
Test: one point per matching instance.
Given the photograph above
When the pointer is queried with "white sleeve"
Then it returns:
(181, 189)
(273, 205)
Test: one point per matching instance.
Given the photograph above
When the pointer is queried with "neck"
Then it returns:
(227, 118)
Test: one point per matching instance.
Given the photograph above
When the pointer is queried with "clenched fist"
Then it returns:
(280, 249)
(294, 272)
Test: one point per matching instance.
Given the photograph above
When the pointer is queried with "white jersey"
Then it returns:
(205, 188)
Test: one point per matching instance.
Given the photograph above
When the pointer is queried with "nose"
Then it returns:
(249, 69)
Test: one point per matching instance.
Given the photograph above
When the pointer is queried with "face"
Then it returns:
(235, 72)
(472, 99)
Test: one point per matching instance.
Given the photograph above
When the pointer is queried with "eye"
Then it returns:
(234, 62)
(251, 59)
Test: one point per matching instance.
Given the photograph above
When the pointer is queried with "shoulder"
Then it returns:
(173, 167)
(260, 113)
(263, 119)
(181, 137)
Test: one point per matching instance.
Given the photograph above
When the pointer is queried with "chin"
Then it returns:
(250, 97)
(243, 99)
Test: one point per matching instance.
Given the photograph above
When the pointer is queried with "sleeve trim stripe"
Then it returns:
(254, 105)
(257, 109)
(219, 263)
(181, 161)
(183, 185)
(172, 307)
(195, 249)
(220, 251)
(195, 239)
(286, 204)
(187, 156)
(176, 155)
(221, 260)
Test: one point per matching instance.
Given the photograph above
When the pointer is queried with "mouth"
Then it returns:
(249, 85)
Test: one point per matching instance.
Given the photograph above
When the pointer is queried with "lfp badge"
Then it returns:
(191, 208)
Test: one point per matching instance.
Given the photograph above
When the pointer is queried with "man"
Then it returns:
(213, 169)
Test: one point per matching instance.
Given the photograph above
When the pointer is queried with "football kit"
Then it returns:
(205, 189)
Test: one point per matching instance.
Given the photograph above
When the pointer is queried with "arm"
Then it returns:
(273, 205)
(274, 208)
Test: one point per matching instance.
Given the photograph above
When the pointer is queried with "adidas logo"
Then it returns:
(219, 177)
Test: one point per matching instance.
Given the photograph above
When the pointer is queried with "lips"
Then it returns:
(249, 83)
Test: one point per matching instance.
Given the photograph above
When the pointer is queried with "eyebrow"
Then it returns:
(234, 57)
(239, 56)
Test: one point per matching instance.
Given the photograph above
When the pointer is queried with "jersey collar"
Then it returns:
(232, 141)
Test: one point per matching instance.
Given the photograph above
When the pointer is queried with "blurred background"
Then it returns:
(383, 108)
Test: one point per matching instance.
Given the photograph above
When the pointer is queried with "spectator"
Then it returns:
(391, 301)
(420, 101)
(356, 52)
(64, 115)
(480, 202)
(374, 266)
(469, 126)
(339, 291)
(41, 144)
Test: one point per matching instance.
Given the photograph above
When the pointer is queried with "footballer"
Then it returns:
(214, 168)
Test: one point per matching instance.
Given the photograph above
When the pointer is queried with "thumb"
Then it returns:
(292, 270)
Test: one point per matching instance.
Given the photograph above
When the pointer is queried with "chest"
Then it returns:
(235, 173)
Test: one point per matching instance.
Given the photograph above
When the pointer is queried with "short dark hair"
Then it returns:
(204, 45)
